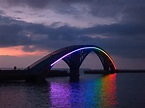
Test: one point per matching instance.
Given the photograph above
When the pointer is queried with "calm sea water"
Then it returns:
(123, 90)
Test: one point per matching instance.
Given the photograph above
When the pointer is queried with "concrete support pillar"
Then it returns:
(112, 70)
(74, 75)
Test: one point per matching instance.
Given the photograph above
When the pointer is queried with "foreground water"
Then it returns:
(123, 90)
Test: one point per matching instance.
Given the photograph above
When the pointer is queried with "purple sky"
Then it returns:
(29, 29)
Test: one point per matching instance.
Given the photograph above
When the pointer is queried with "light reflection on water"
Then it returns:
(122, 90)
(90, 92)
(97, 93)
(108, 91)
(59, 95)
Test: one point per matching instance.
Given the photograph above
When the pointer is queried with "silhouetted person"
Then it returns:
(15, 67)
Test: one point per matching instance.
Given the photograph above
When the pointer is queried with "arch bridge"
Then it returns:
(73, 56)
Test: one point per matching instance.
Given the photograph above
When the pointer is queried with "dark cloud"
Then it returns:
(134, 14)
(30, 3)
(98, 8)
(125, 40)
(117, 30)
(10, 35)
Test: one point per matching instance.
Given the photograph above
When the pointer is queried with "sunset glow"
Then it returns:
(17, 51)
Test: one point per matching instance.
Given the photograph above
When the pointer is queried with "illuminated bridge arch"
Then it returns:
(73, 56)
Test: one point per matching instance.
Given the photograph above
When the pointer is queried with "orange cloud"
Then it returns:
(17, 51)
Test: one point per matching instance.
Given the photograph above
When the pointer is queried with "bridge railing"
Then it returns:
(38, 61)
(47, 56)
(42, 59)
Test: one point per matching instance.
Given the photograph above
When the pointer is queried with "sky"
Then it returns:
(30, 29)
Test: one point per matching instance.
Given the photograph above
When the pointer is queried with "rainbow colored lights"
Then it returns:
(98, 92)
(84, 49)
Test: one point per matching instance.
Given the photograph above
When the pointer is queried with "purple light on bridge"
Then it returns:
(83, 49)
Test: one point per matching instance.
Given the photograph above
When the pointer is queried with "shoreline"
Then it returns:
(27, 75)
(116, 71)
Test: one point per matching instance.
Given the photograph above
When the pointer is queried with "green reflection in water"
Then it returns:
(98, 92)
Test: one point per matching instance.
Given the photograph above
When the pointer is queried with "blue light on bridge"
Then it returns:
(83, 49)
